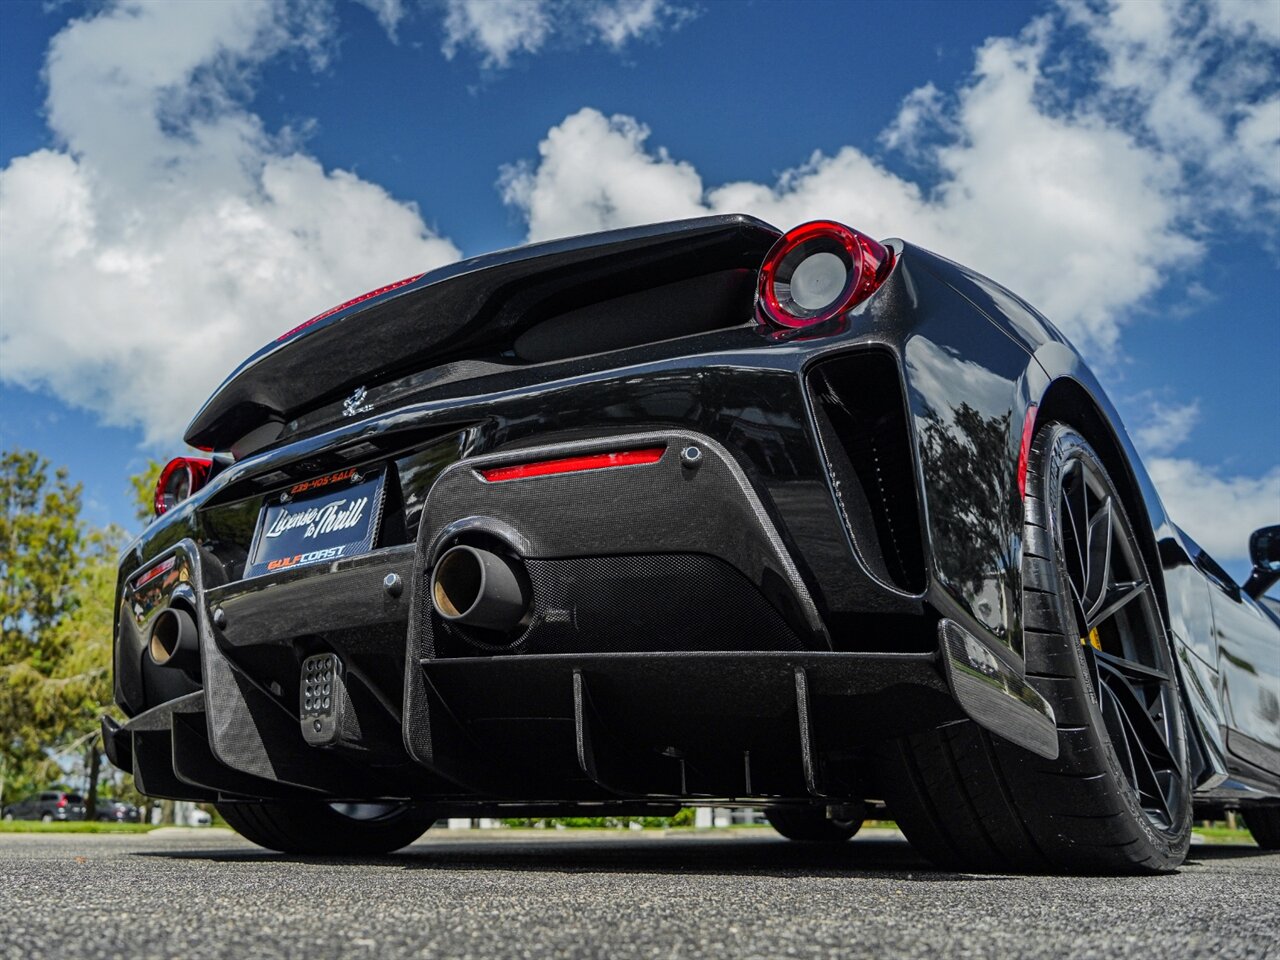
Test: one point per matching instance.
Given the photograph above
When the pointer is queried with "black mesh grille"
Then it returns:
(858, 406)
(673, 602)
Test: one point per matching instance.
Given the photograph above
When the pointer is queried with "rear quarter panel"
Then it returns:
(1184, 591)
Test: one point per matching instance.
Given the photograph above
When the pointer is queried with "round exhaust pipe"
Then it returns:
(479, 589)
(175, 641)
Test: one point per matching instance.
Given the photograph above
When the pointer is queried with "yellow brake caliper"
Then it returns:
(1092, 640)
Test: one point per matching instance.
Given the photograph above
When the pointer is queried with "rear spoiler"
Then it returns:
(477, 307)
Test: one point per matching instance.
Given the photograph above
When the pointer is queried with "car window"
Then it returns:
(48, 796)
(74, 798)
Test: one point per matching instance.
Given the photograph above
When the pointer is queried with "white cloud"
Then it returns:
(1196, 80)
(922, 110)
(171, 235)
(1217, 508)
(594, 174)
(1167, 427)
(388, 12)
(619, 22)
(1218, 511)
(498, 30)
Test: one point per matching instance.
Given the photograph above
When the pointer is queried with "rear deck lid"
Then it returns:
(514, 304)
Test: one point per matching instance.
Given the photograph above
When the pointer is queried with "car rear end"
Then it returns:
(117, 811)
(570, 526)
(64, 807)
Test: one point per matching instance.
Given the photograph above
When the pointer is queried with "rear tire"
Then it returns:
(320, 829)
(1264, 824)
(1117, 798)
(812, 825)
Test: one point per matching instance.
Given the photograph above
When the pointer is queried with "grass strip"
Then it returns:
(74, 826)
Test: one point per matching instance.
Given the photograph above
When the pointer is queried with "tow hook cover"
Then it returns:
(322, 699)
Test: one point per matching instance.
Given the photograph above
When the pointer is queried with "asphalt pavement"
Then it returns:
(542, 894)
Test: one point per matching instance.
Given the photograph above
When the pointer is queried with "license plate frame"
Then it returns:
(319, 520)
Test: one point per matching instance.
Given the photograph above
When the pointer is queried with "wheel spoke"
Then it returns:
(1098, 572)
(1149, 737)
(1113, 716)
(1113, 601)
(1131, 670)
(1077, 535)
(1148, 782)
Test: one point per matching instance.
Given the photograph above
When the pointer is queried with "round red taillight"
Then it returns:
(818, 271)
(180, 478)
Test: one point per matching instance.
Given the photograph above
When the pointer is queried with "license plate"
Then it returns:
(322, 519)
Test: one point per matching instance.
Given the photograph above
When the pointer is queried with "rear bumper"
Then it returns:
(672, 653)
(545, 729)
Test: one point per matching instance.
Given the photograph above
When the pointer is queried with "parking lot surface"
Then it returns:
(536, 894)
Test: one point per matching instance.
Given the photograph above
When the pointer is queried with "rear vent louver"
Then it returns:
(862, 426)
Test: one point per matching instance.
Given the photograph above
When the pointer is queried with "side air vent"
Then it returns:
(860, 413)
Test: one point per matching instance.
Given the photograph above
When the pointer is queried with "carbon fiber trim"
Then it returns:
(250, 731)
(993, 695)
(629, 605)
(658, 508)
(654, 509)
(194, 763)
(692, 725)
(859, 412)
(153, 769)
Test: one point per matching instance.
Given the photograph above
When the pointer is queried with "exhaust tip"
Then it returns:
(478, 588)
(457, 582)
(173, 638)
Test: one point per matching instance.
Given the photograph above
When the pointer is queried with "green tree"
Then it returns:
(143, 487)
(58, 611)
(41, 542)
(78, 690)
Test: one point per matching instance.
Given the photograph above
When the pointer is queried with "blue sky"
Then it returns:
(178, 187)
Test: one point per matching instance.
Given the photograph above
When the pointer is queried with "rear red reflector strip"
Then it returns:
(163, 567)
(350, 303)
(1024, 449)
(594, 461)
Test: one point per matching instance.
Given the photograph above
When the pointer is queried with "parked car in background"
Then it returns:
(48, 805)
(199, 818)
(117, 811)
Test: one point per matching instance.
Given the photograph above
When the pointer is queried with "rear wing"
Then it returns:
(530, 304)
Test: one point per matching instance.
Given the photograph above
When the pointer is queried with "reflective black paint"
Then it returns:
(972, 359)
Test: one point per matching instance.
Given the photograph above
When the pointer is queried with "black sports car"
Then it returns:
(692, 513)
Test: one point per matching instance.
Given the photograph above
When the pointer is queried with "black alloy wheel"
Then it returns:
(328, 829)
(1129, 663)
(1117, 799)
